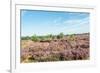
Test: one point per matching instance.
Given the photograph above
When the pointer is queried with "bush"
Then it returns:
(61, 35)
(71, 37)
(25, 38)
(34, 38)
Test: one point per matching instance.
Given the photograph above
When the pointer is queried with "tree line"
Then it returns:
(43, 38)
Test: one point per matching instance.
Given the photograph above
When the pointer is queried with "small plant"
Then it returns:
(72, 37)
(25, 38)
(34, 38)
(61, 35)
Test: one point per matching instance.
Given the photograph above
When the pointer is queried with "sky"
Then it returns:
(53, 22)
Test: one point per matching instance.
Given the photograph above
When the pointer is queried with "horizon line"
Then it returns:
(56, 34)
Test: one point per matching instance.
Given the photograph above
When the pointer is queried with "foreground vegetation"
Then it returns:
(55, 48)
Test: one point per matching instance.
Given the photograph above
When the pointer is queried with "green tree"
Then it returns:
(61, 35)
(49, 37)
(25, 38)
(35, 38)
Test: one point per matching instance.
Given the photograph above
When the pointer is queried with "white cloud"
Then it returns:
(73, 26)
(57, 21)
(76, 21)
(76, 25)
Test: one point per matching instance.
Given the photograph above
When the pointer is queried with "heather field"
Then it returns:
(49, 36)
(55, 48)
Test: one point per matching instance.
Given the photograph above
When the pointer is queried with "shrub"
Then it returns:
(61, 35)
(34, 38)
(25, 38)
(71, 37)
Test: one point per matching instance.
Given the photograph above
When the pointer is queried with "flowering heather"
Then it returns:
(66, 48)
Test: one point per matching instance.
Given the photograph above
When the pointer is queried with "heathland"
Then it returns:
(59, 47)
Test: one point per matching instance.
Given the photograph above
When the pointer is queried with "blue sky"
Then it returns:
(52, 22)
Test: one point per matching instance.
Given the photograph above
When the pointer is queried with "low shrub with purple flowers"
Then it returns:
(55, 48)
